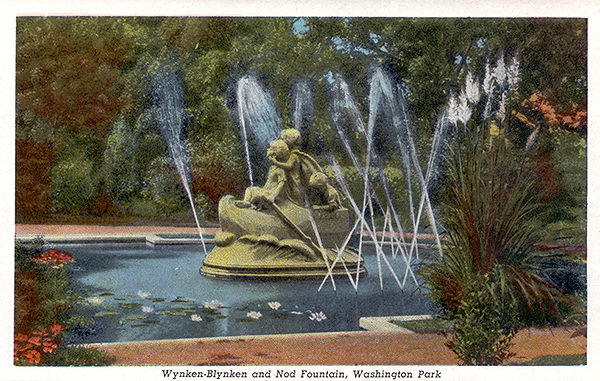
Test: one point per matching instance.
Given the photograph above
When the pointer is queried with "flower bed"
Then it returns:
(44, 304)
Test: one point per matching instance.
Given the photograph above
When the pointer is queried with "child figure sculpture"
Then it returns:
(274, 187)
(327, 198)
(292, 165)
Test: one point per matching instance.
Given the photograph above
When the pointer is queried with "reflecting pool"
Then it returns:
(143, 292)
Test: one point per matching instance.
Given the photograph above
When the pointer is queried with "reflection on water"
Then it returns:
(142, 292)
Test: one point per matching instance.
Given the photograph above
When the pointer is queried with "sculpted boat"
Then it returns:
(280, 242)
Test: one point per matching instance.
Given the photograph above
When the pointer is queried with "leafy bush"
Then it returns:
(217, 170)
(484, 326)
(78, 356)
(163, 188)
(32, 180)
(119, 162)
(75, 183)
(397, 188)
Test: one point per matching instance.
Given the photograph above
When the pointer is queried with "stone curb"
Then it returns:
(384, 323)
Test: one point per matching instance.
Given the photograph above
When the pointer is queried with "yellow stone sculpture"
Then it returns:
(291, 227)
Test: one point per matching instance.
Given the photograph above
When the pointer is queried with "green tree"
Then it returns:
(429, 54)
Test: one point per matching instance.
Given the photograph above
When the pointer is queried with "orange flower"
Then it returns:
(56, 328)
(30, 347)
(35, 340)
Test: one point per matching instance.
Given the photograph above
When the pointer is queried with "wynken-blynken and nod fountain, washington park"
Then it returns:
(295, 225)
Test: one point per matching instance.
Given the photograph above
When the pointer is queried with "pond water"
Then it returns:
(143, 292)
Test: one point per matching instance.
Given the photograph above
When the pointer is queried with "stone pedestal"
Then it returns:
(280, 243)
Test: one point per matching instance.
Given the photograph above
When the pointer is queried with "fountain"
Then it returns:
(295, 225)
(171, 116)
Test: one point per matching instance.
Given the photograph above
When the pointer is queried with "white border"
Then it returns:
(425, 8)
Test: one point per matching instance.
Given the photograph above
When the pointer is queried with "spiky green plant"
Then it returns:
(494, 196)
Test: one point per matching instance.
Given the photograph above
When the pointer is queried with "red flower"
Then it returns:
(29, 347)
(53, 257)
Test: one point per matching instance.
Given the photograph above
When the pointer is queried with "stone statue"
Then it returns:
(289, 228)
(277, 182)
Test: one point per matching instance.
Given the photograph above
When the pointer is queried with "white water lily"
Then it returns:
(195, 317)
(254, 314)
(213, 305)
(274, 305)
(297, 312)
(147, 309)
(143, 295)
(318, 316)
(95, 300)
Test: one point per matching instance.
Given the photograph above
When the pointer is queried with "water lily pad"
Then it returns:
(156, 300)
(171, 313)
(128, 319)
(121, 299)
(277, 316)
(106, 294)
(107, 313)
(248, 320)
(211, 311)
(179, 299)
(130, 305)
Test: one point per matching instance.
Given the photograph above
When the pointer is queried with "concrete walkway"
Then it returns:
(30, 229)
(341, 348)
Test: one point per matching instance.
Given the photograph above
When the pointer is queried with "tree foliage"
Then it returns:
(79, 75)
(68, 69)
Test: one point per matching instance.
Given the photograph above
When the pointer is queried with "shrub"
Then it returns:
(75, 183)
(78, 356)
(32, 180)
(163, 188)
(119, 162)
(217, 170)
(484, 326)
